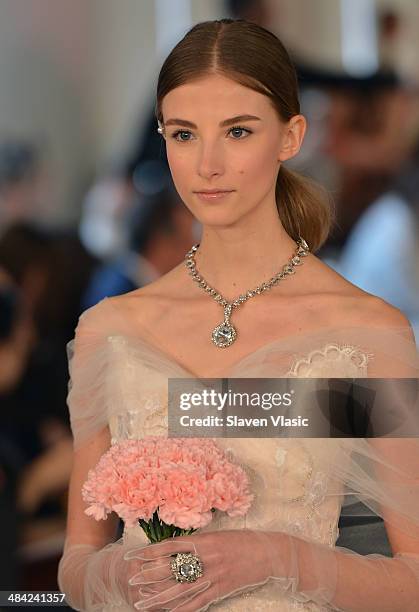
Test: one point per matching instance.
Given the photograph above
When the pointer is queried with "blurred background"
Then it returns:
(88, 208)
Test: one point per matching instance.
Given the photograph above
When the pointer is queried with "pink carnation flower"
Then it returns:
(168, 485)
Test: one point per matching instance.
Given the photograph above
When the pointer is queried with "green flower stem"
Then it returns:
(157, 530)
(152, 531)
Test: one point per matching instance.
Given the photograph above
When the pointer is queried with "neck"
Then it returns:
(233, 261)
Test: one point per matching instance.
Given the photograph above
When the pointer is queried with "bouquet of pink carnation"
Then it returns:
(171, 486)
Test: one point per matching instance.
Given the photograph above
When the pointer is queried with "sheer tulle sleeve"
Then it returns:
(87, 356)
(92, 571)
(113, 371)
(383, 473)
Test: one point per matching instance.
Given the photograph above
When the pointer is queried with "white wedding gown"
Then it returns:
(300, 484)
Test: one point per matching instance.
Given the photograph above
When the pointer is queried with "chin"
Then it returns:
(216, 216)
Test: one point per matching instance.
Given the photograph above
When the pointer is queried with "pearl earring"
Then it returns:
(160, 128)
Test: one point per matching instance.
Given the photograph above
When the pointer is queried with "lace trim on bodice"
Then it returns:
(331, 360)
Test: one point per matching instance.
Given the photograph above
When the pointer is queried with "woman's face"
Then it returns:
(206, 150)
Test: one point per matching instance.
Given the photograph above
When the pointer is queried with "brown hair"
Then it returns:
(254, 57)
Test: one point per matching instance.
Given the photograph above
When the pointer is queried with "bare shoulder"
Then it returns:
(371, 311)
(351, 305)
(356, 308)
(379, 313)
(154, 300)
(384, 314)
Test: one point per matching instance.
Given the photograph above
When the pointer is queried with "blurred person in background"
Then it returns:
(22, 181)
(155, 231)
(16, 340)
(49, 271)
(42, 277)
(25, 258)
(369, 137)
(373, 136)
(102, 227)
(370, 131)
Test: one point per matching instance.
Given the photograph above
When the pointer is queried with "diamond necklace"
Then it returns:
(225, 334)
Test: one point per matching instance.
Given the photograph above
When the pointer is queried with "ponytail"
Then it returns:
(305, 208)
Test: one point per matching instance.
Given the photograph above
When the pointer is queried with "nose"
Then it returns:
(211, 161)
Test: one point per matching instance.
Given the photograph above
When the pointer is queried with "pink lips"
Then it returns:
(212, 195)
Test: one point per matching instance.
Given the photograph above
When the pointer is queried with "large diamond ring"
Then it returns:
(186, 567)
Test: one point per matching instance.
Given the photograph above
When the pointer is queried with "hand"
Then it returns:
(233, 561)
(93, 578)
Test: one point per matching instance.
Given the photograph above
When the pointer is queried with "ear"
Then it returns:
(293, 136)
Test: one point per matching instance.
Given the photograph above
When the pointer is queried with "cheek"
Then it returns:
(178, 164)
(258, 168)
(180, 169)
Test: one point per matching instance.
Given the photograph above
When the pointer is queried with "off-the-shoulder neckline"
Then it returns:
(134, 338)
(232, 370)
(171, 359)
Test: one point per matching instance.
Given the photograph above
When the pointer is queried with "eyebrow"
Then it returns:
(231, 121)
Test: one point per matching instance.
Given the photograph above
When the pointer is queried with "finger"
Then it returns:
(158, 587)
(152, 571)
(146, 590)
(166, 548)
(196, 602)
(170, 595)
(160, 568)
(173, 604)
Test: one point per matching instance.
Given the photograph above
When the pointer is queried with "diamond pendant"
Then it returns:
(224, 334)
